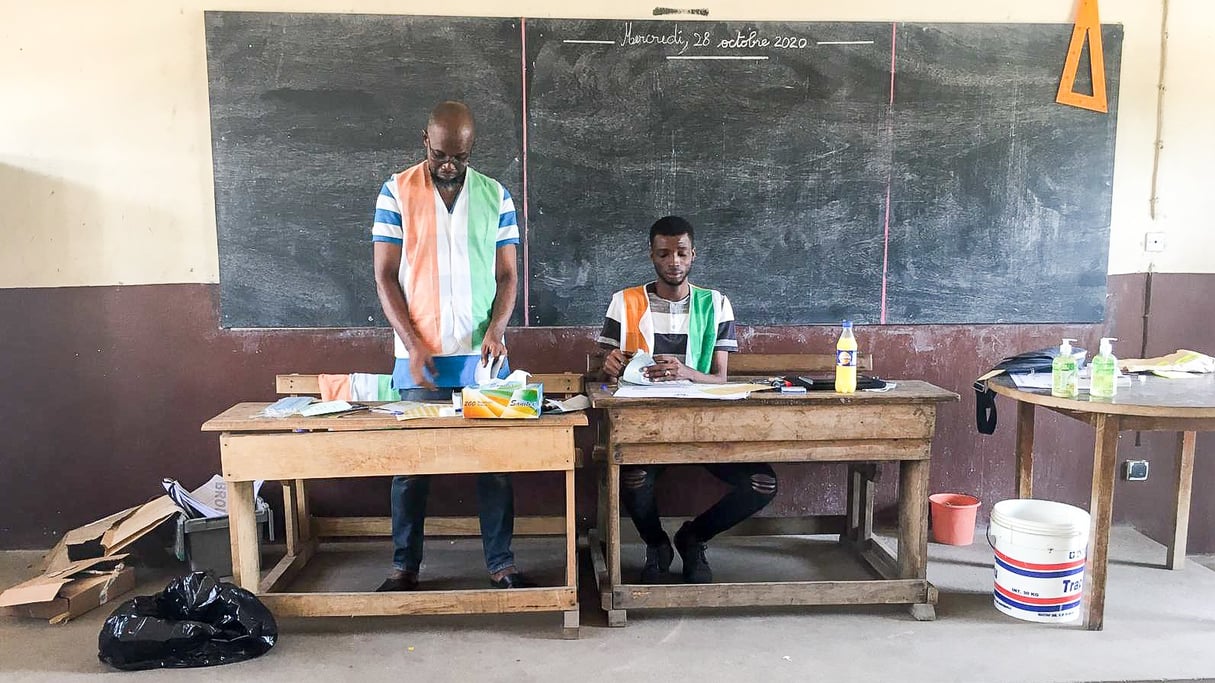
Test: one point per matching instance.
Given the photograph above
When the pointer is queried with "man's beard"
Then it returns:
(448, 184)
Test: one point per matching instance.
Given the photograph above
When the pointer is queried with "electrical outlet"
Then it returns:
(1153, 241)
(1136, 470)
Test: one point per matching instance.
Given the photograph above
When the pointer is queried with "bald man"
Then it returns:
(445, 238)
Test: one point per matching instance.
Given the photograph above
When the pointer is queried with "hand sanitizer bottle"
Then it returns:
(1063, 372)
(1104, 371)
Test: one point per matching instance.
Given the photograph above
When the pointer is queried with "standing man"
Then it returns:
(444, 239)
(690, 332)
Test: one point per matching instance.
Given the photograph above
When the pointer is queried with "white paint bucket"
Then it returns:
(1040, 548)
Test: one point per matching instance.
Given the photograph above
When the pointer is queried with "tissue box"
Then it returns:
(513, 401)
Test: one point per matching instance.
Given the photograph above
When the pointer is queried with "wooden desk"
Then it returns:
(370, 444)
(861, 429)
(1153, 404)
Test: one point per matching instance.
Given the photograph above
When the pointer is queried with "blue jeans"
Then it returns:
(495, 505)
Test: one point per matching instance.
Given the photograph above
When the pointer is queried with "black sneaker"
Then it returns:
(692, 552)
(657, 562)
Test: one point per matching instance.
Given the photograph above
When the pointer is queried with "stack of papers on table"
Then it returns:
(684, 389)
(634, 384)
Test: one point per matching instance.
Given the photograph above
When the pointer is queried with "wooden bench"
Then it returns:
(555, 384)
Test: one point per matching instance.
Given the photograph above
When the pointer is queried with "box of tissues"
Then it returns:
(509, 398)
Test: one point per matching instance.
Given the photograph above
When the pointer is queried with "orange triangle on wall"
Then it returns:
(1088, 25)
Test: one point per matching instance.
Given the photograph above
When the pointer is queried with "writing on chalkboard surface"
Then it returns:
(901, 173)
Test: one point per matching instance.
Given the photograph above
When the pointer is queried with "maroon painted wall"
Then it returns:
(105, 388)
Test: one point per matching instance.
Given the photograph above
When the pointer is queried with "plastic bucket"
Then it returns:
(953, 517)
(1040, 548)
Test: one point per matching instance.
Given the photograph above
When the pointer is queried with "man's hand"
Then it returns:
(419, 362)
(492, 348)
(614, 362)
(667, 369)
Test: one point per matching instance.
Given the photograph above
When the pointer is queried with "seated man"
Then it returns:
(690, 332)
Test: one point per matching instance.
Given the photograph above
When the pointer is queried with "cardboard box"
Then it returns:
(513, 401)
(110, 535)
(70, 592)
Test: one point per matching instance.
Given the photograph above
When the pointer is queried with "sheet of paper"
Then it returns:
(428, 410)
(1182, 360)
(1173, 374)
(398, 407)
(207, 501)
(286, 406)
(325, 408)
(633, 371)
(569, 405)
(674, 390)
(1042, 380)
(729, 389)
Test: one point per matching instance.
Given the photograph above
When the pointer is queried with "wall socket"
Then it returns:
(1135, 470)
(1153, 242)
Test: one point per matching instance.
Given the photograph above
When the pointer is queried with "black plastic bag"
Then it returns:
(196, 621)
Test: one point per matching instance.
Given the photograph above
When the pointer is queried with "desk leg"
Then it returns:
(861, 478)
(616, 617)
(570, 626)
(913, 529)
(290, 519)
(304, 516)
(1025, 449)
(1181, 512)
(1102, 508)
(242, 526)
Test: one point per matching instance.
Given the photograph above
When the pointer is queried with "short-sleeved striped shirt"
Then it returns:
(448, 263)
(671, 324)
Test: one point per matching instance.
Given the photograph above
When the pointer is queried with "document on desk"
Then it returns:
(685, 389)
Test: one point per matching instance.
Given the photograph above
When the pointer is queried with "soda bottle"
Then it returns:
(845, 361)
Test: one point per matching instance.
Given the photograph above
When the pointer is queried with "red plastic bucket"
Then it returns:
(953, 517)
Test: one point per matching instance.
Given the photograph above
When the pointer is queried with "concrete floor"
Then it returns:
(1160, 625)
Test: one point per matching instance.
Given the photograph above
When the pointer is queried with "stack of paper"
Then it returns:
(1176, 362)
(427, 410)
(286, 406)
(718, 392)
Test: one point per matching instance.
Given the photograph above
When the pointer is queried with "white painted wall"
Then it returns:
(105, 156)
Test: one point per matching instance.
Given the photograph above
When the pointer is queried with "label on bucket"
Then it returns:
(1038, 578)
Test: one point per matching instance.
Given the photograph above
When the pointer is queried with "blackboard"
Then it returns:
(310, 114)
(898, 173)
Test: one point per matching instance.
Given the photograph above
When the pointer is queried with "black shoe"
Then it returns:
(514, 580)
(399, 581)
(692, 552)
(657, 562)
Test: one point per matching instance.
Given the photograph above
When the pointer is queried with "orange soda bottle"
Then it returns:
(845, 361)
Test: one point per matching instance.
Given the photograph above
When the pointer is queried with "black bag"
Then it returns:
(196, 621)
(1030, 361)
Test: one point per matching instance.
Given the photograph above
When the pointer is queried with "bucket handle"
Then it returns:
(987, 535)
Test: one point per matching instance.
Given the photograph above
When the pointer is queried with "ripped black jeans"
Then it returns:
(752, 486)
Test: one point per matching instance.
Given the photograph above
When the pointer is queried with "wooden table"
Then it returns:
(1148, 404)
(861, 429)
(370, 444)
